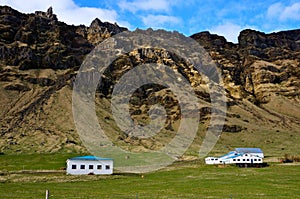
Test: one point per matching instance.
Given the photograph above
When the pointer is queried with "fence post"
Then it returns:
(47, 194)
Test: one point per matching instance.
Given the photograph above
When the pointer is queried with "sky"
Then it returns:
(222, 17)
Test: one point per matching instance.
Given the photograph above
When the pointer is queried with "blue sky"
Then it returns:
(225, 18)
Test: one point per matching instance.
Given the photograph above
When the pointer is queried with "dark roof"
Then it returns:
(91, 158)
(248, 150)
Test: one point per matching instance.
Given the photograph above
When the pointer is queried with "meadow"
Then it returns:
(29, 176)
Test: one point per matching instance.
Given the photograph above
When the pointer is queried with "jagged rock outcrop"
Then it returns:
(40, 56)
(257, 60)
(41, 41)
(98, 31)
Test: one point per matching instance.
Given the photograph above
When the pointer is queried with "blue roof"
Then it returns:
(239, 152)
(231, 154)
(248, 150)
(228, 154)
(89, 157)
(234, 156)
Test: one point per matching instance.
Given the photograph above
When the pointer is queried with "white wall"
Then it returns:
(212, 160)
(106, 167)
(245, 158)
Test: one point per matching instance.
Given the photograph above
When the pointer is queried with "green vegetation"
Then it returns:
(273, 143)
(15, 162)
(181, 180)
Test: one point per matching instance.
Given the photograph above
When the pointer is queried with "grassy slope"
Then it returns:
(51, 127)
(182, 180)
(17, 162)
(201, 182)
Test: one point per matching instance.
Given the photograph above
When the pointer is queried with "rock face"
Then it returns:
(258, 61)
(40, 41)
(40, 56)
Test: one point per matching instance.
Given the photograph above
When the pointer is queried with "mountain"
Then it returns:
(40, 57)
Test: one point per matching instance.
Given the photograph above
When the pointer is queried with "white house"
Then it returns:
(89, 165)
(249, 156)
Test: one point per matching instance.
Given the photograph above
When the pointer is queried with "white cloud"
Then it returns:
(274, 10)
(283, 13)
(85, 15)
(291, 12)
(229, 30)
(156, 5)
(158, 21)
(66, 10)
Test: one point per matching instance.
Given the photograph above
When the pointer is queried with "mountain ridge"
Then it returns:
(40, 57)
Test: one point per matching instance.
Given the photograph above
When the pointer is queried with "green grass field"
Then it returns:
(181, 180)
(15, 162)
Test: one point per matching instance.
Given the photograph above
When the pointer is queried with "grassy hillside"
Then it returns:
(182, 180)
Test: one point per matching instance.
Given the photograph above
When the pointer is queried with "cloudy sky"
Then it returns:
(223, 17)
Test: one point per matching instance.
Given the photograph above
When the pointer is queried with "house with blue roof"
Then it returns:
(84, 165)
(240, 156)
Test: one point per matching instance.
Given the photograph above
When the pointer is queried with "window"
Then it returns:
(91, 166)
(107, 167)
(243, 159)
(233, 160)
(73, 166)
(254, 159)
(99, 167)
(82, 166)
(246, 155)
(238, 160)
(259, 159)
(247, 159)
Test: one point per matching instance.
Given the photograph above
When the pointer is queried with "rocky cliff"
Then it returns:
(40, 56)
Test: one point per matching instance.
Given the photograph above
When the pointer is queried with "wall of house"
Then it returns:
(244, 159)
(81, 167)
(212, 160)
